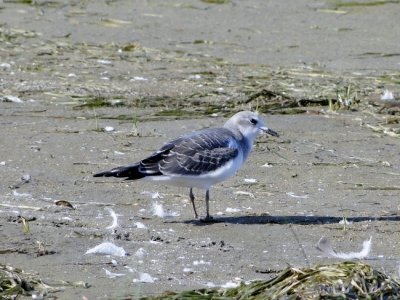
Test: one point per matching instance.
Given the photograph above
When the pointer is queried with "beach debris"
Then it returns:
(104, 62)
(232, 210)
(140, 225)
(64, 203)
(244, 193)
(23, 180)
(26, 178)
(195, 76)
(9, 98)
(140, 253)
(201, 262)
(107, 248)
(112, 275)
(187, 270)
(346, 280)
(139, 78)
(5, 66)
(387, 95)
(114, 217)
(153, 195)
(21, 206)
(158, 210)
(231, 284)
(267, 165)
(145, 278)
(15, 282)
(25, 225)
(250, 180)
(293, 195)
(324, 245)
(42, 250)
(108, 129)
(21, 195)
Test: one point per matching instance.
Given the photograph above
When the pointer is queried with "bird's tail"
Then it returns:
(129, 172)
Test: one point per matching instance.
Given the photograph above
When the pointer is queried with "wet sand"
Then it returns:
(159, 69)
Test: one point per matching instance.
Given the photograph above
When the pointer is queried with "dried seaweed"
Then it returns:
(347, 280)
(15, 282)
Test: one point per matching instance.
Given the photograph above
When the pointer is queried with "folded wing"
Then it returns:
(195, 154)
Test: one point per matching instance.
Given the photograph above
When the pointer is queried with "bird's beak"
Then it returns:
(269, 131)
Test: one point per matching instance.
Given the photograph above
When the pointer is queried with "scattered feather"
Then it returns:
(250, 180)
(119, 153)
(114, 217)
(22, 195)
(140, 225)
(187, 270)
(325, 246)
(5, 66)
(104, 62)
(153, 195)
(114, 23)
(230, 285)
(145, 277)
(131, 270)
(201, 262)
(140, 253)
(107, 248)
(26, 178)
(158, 211)
(195, 76)
(387, 95)
(293, 195)
(210, 284)
(139, 78)
(266, 165)
(9, 98)
(108, 129)
(232, 210)
(113, 275)
(251, 195)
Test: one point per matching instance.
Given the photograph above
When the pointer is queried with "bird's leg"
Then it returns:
(191, 196)
(208, 218)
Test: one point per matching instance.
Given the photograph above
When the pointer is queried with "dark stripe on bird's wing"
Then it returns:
(150, 166)
(197, 154)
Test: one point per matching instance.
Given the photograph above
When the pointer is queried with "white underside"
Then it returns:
(204, 181)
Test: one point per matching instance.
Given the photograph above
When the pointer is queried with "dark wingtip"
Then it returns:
(130, 172)
(102, 174)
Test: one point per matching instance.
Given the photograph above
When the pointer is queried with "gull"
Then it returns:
(199, 159)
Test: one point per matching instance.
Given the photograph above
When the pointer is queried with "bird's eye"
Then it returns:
(254, 121)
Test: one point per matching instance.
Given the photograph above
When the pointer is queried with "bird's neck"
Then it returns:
(247, 145)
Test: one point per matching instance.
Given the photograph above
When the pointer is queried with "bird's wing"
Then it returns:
(196, 154)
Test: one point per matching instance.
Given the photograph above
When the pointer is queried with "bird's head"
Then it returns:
(249, 124)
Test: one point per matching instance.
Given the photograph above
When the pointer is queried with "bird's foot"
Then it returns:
(207, 219)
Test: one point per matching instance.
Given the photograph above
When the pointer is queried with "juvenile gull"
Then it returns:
(199, 159)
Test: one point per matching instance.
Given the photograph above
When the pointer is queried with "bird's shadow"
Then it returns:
(285, 220)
